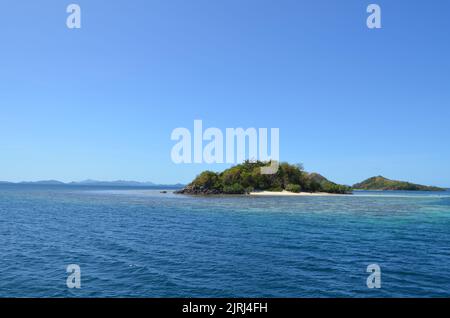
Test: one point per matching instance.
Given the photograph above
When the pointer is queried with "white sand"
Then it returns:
(287, 193)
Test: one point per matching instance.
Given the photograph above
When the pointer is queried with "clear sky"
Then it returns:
(101, 102)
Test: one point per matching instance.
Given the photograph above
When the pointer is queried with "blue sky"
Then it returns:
(101, 102)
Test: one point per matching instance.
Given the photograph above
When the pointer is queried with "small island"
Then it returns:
(246, 178)
(383, 184)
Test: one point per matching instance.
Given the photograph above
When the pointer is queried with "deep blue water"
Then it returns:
(141, 243)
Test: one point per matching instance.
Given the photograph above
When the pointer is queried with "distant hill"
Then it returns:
(325, 184)
(382, 183)
(318, 178)
(117, 183)
(124, 183)
(43, 182)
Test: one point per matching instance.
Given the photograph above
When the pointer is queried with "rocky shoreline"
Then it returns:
(193, 190)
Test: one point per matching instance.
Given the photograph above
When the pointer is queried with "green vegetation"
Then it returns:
(293, 188)
(247, 177)
(381, 183)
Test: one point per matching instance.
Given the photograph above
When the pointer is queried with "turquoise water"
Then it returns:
(142, 243)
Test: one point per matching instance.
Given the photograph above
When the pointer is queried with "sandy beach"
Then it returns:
(287, 193)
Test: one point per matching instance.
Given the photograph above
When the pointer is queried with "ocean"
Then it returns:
(136, 242)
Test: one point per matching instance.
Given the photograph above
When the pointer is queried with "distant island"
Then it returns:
(246, 178)
(382, 183)
(117, 183)
(96, 183)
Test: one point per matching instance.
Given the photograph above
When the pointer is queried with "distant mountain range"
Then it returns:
(121, 183)
(117, 183)
(382, 183)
